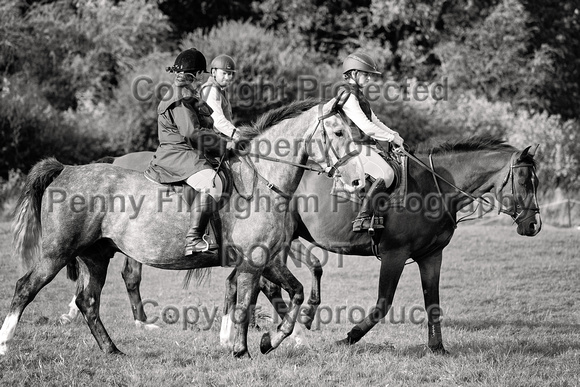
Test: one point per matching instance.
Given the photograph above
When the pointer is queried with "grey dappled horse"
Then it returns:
(51, 234)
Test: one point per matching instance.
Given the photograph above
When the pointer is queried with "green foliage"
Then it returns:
(63, 63)
(10, 189)
(80, 47)
(31, 129)
(556, 29)
(189, 15)
(129, 122)
(268, 65)
(69, 69)
(328, 27)
(496, 59)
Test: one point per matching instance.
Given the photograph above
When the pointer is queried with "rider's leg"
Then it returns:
(209, 189)
(376, 167)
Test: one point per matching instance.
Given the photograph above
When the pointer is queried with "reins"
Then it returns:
(514, 215)
(333, 168)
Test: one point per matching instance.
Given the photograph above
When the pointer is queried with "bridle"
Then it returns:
(514, 214)
(333, 168)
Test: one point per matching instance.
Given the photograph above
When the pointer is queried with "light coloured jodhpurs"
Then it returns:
(375, 166)
(207, 181)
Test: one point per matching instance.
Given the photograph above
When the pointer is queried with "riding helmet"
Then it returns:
(189, 61)
(360, 61)
(223, 62)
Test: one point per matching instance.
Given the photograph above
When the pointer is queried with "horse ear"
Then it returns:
(533, 151)
(524, 153)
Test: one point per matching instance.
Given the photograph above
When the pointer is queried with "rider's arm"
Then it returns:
(189, 127)
(398, 139)
(220, 122)
(353, 111)
(186, 121)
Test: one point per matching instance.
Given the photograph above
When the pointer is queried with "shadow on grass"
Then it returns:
(519, 337)
(485, 324)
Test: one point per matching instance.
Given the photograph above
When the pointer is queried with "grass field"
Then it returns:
(511, 318)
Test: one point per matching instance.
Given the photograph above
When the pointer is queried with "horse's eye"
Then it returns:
(339, 133)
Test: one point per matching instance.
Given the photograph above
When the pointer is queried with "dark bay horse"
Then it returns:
(421, 231)
(464, 171)
(92, 211)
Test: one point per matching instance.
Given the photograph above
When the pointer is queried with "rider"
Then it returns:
(357, 69)
(223, 70)
(185, 134)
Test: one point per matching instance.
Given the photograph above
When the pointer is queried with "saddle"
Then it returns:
(213, 231)
(397, 192)
(398, 162)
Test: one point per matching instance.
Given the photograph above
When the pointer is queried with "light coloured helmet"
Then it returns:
(223, 62)
(360, 61)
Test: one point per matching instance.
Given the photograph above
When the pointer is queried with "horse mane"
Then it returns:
(476, 143)
(273, 117)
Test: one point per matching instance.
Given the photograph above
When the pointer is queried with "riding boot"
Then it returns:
(201, 211)
(366, 210)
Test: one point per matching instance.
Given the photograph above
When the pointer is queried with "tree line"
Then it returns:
(508, 68)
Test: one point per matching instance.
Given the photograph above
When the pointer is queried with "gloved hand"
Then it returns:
(398, 140)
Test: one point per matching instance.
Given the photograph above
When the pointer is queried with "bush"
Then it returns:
(10, 190)
(31, 129)
(268, 67)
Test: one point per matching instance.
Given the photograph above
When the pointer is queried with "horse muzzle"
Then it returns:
(531, 225)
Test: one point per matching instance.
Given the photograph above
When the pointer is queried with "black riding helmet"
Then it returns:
(189, 61)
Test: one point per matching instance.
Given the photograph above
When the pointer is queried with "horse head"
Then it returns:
(340, 153)
(523, 204)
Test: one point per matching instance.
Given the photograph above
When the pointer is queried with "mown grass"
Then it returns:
(511, 318)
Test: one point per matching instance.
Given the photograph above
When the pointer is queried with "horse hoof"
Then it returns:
(117, 352)
(346, 341)
(3, 349)
(266, 344)
(244, 354)
(342, 342)
(439, 349)
(65, 319)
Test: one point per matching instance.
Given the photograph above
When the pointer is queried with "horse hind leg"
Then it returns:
(304, 255)
(430, 269)
(73, 313)
(132, 273)
(27, 288)
(93, 266)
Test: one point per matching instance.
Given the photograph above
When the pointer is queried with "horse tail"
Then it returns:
(200, 275)
(26, 226)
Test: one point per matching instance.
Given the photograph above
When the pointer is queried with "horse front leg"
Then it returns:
(276, 271)
(227, 327)
(430, 270)
(247, 289)
(390, 273)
